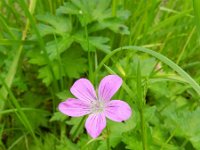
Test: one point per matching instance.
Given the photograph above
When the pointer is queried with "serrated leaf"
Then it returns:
(92, 10)
(66, 144)
(74, 122)
(146, 63)
(115, 136)
(55, 48)
(115, 25)
(73, 62)
(46, 75)
(95, 11)
(95, 42)
(100, 43)
(73, 65)
(36, 57)
(149, 112)
(45, 30)
(123, 14)
(185, 123)
(64, 94)
(68, 8)
(61, 24)
(50, 142)
(132, 141)
(58, 116)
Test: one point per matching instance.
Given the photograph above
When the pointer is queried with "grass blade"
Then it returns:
(159, 56)
(196, 6)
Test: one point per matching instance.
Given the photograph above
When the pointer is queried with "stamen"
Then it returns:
(97, 106)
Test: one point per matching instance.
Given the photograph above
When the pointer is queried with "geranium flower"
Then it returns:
(97, 106)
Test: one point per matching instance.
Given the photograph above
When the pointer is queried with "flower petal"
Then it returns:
(117, 110)
(83, 90)
(74, 107)
(109, 86)
(95, 123)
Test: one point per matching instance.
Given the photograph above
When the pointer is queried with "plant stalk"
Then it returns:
(107, 139)
(78, 128)
(143, 130)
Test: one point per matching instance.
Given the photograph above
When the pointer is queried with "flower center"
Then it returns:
(97, 106)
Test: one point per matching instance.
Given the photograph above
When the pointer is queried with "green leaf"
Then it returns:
(57, 24)
(73, 65)
(50, 142)
(58, 116)
(185, 124)
(116, 135)
(161, 57)
(36, 57)
(132, 140)
(196, 6)
(40, 117)
(56, 47)
(95, 42)
(149, 113)
(46, 75)
(66, 144)
(97, 15)
(64, 94)
(68, 8)
(73, 62)
(45, 30)
(115, 25)
(89, 11)
(74, 122)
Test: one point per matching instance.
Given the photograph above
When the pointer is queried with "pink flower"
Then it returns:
(97, 106)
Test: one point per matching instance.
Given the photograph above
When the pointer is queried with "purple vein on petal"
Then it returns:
(84, 90)
(95, 123)
(109, 86)
(118, 110)
(74, 107)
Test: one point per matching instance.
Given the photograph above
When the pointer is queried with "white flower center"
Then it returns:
(97, 106)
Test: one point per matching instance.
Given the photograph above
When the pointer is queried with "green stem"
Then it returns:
(141, 106)
(114, 3)
(184, 143)
(185, 46)
(96, 66)
(170, 137)
(161, 57)
(77, 129)
(60, 64)
(89, 55)
(143, 130)
(50, 6)
(20, 114)
(40, 39)
(107, 139)
(63, 131)
(13, 68)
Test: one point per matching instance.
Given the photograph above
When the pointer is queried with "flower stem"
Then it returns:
(184, 143)
(141, 105)
(171, 136)
(107, 139)
(89, 53)
(74, 134)
(143, 130)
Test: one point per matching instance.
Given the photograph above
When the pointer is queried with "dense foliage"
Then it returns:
(153, 45)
